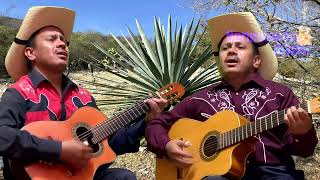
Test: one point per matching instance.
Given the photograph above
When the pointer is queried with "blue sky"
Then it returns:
(109, 16)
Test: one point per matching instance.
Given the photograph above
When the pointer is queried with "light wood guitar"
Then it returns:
(221, 144)
(88, 125)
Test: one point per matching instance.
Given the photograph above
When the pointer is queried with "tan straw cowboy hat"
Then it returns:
(36, 18)
(244, 23)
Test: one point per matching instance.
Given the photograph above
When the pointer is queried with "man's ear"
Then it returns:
(29, 53)
(256, 61)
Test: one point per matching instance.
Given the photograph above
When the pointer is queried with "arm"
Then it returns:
(158, 127)
(127, 139)
(19, 144)
(300, 138)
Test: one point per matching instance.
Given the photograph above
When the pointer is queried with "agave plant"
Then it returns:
(144, 66)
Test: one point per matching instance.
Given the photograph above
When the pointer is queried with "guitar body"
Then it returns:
(80, 121)
(229, 161)
(90, 126)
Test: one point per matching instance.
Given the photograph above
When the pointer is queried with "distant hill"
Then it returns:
(10, 22)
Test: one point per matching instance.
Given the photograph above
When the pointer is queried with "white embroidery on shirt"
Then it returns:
(251, 102)
(196, 98)
(224, 101)
(215, 96)
(272, 99)
(26, 87)
(263, 149)
(256, 117)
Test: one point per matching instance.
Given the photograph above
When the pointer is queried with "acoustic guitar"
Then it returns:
(90, 126)
(221, 144)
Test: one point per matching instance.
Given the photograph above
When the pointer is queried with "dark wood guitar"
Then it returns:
(90, 126)
(221, 144)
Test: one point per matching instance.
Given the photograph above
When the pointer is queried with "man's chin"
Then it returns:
(59, 68)
(230, 70)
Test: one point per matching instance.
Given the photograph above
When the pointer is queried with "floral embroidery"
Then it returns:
(251, 103)
(26, 87)
(224, 101)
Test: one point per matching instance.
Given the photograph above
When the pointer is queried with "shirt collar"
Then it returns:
(36, 78)
(257, 78)
(253, 79)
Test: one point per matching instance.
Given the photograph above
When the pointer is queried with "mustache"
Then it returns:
(61, 52)
(232, 58)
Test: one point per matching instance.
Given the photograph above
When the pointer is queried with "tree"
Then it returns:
(284, 21)
(7, 35)
(81, 47)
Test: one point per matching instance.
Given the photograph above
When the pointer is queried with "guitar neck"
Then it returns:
(253, 128)
(108, 127)
(170, 92)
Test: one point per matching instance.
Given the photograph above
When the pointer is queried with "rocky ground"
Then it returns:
(142, 163)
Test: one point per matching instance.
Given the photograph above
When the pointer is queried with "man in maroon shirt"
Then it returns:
(247, 64)
(36, 61)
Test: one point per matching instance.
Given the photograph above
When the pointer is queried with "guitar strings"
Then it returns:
(112, 125)
(95, 129)
(105, 124)
(212, 145)
(230, 137)
(270, 121)
(119, 115)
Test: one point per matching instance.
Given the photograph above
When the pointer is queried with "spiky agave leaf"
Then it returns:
(168, 58)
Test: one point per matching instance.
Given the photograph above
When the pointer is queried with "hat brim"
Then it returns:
(245, 23)
(36, 18)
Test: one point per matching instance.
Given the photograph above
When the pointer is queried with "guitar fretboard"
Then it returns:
(108, 127)
(253, 128)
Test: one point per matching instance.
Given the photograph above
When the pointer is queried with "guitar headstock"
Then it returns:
(172, 92)
(314, 105)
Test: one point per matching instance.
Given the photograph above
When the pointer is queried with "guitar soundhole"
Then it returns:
(85, 134)
(210, 146)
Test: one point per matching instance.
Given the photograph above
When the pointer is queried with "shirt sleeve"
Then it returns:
(127, 139)
(298, 145)
(20, 144)
(158, 128)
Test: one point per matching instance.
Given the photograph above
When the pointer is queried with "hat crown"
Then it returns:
(39, 17)
(243, 22)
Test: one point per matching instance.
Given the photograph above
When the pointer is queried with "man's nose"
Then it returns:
(61, 44)
(232, 50)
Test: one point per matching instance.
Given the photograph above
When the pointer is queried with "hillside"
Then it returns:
(10, 22)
